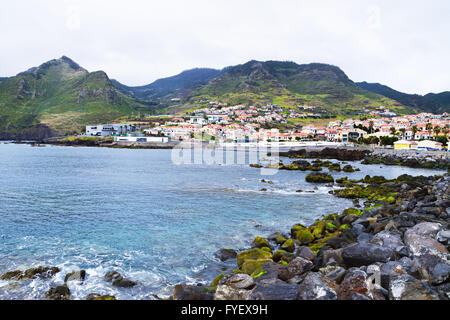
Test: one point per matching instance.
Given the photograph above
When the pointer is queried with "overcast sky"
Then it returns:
(403, 44)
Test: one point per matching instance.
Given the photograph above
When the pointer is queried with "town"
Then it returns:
(271, 123)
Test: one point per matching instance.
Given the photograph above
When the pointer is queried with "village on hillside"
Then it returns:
(240, 124)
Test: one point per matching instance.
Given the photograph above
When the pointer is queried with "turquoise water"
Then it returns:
(133, 211)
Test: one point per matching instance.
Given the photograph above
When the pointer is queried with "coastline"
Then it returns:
(393, 248)
(356, 190)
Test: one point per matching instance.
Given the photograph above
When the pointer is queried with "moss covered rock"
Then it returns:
(304, 236)
(296, 228)
(253, 254)
(280, 239)
(319, 178)
(288, 245)
(254, 266)
(260, 242)
(283, 255)
(216, 280)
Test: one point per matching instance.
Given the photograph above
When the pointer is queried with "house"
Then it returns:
(429, 145)
(404, 144)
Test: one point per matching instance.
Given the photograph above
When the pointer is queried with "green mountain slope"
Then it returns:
(432, 102)
(290, 84)
(178, 86)
(59, 97)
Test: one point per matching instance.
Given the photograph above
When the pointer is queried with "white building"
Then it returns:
(141, 139)
(105, 130)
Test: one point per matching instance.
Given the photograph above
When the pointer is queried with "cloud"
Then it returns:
(399, 43)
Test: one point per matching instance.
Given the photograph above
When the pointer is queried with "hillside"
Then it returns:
(435, 103)
(59, 97)
(178, 86)
(289, 84)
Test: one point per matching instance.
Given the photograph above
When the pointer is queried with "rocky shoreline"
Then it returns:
(392, 245)
(394, 248)
(409, 158)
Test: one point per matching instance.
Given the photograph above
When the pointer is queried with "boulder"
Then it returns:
(96, 296)
(260, 242)
(75, 276)
(241, 281)
(406, 287)
(58, 293)
(364, 253)
(296, 267)
(388, 240)
(277, 291)
(224, 292)
(306, 253)
(190, 292)
(319, 178)
(32, 273)
(225, 254)
(282, 255)
(356, 282)
(118, 280)
(254, 254)
(288, 246)
(316, 287)
(430, 256)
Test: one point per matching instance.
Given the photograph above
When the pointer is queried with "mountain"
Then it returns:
(59, 97)
(3, 78)
(432, 102)
(288, 84)
(178, 86)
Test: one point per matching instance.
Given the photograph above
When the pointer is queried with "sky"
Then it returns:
(402, 44)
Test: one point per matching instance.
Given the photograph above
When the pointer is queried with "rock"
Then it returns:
(357, 282)
(260, 242)
(32, 273)
(58, 293)
(429, 255)
(443, 291)
(241, 281)
(270, 274)
(306, 253)
(288, 246)
(278, 291)
(406, 287)
(443, 236)
(75, 276)
(96, 296)
(316, 287)
(282, 255)
(118, 280)
(334, 273)
(224, 292)
(12, 275)
(389, 271)
(363, 254)
(388, 240)
(296, 267)
(304, 236)
(190, 292)
(319, 178)
(250, 260)
(225, 254)
(123, 283)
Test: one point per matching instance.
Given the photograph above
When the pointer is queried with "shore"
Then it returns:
(394, 247)
(393, 244)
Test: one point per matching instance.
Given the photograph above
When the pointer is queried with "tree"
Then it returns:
(428, 126)
(371, 127)
(414, 130)
(393, 131)
(403, 130)
(436, 131)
